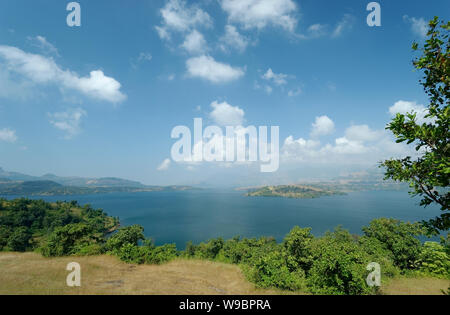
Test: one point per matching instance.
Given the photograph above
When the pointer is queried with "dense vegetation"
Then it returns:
(429, 173)
(291, 191)
(55, 229)
(332, 264)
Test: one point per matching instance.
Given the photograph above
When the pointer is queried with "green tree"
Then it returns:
(19, 240)
(399, 238)
(127, 235)
(429, 173)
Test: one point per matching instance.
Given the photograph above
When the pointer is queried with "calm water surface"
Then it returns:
(177, 217)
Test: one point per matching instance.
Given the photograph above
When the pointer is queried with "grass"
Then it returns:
(30, 273)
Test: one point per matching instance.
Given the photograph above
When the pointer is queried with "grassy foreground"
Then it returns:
(30, 273)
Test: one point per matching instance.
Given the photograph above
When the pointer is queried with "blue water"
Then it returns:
(177, 217)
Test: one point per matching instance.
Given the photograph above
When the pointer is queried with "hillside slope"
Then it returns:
(30, 273)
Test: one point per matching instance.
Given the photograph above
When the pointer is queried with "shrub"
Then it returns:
(65, 240)
(339, 266)
(19, 239)
(434, 260)
(159, 255)
(271, 270)
(127, 235)
(297, 248)
(399, 238)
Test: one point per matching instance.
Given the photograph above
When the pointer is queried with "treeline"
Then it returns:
(332, 264)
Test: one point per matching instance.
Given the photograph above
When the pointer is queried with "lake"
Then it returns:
(177, 217)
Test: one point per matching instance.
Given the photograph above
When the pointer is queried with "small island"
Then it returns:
(291, 191)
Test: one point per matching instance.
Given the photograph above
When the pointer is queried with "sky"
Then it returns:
(101, 99)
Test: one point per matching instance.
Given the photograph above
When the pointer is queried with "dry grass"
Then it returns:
(415, 286)
(29, 273)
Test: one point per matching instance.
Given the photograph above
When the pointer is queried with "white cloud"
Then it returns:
(8, 135)
(360, 145)
(418, 25)
(68, 121)
(42, 70)
(195, 43)
(207, 68)
(405, 107)
(322, 126)
(362, 133)
(164, 166)
(295, 92)
(224, 114)
(261, 13)
(178, 16)
(316, 30)
(42, 43)
(233, 40)
(278, 79)
(345, 24)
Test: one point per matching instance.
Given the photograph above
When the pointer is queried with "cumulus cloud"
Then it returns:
(322, 126)
(178, 16)
(261, 13)
(405, 107)
(207, 68)
(233, 40)
(164, 166)
(42, 70)
(362, 133)
(360, 145)
(195, 43)
(224, 114)
(418, 25)
(68, 121)
(8, 135)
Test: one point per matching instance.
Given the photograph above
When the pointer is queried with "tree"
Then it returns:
(429, 173)
(127, 235)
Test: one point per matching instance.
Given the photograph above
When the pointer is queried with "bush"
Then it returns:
(160, 255)
(271, 270)
(399, 238)
(379, 253)
(65, 240)
(127, 235)
(339, 266)
(297, 248)
(19, 239)
(434, 260)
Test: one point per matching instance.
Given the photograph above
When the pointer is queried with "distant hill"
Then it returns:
(50, 188)
(13, 183)
(291, 191)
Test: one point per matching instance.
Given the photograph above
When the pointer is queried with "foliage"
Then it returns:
(65, 240)
(271, 270)
(297, 246)
(27, 224)
(399, 238)
(130, 235)
(434, 260)
(339, 266)
(428, 174)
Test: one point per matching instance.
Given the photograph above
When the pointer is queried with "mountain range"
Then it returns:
(14, 183)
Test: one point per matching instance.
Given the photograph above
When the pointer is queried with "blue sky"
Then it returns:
(102, 99)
